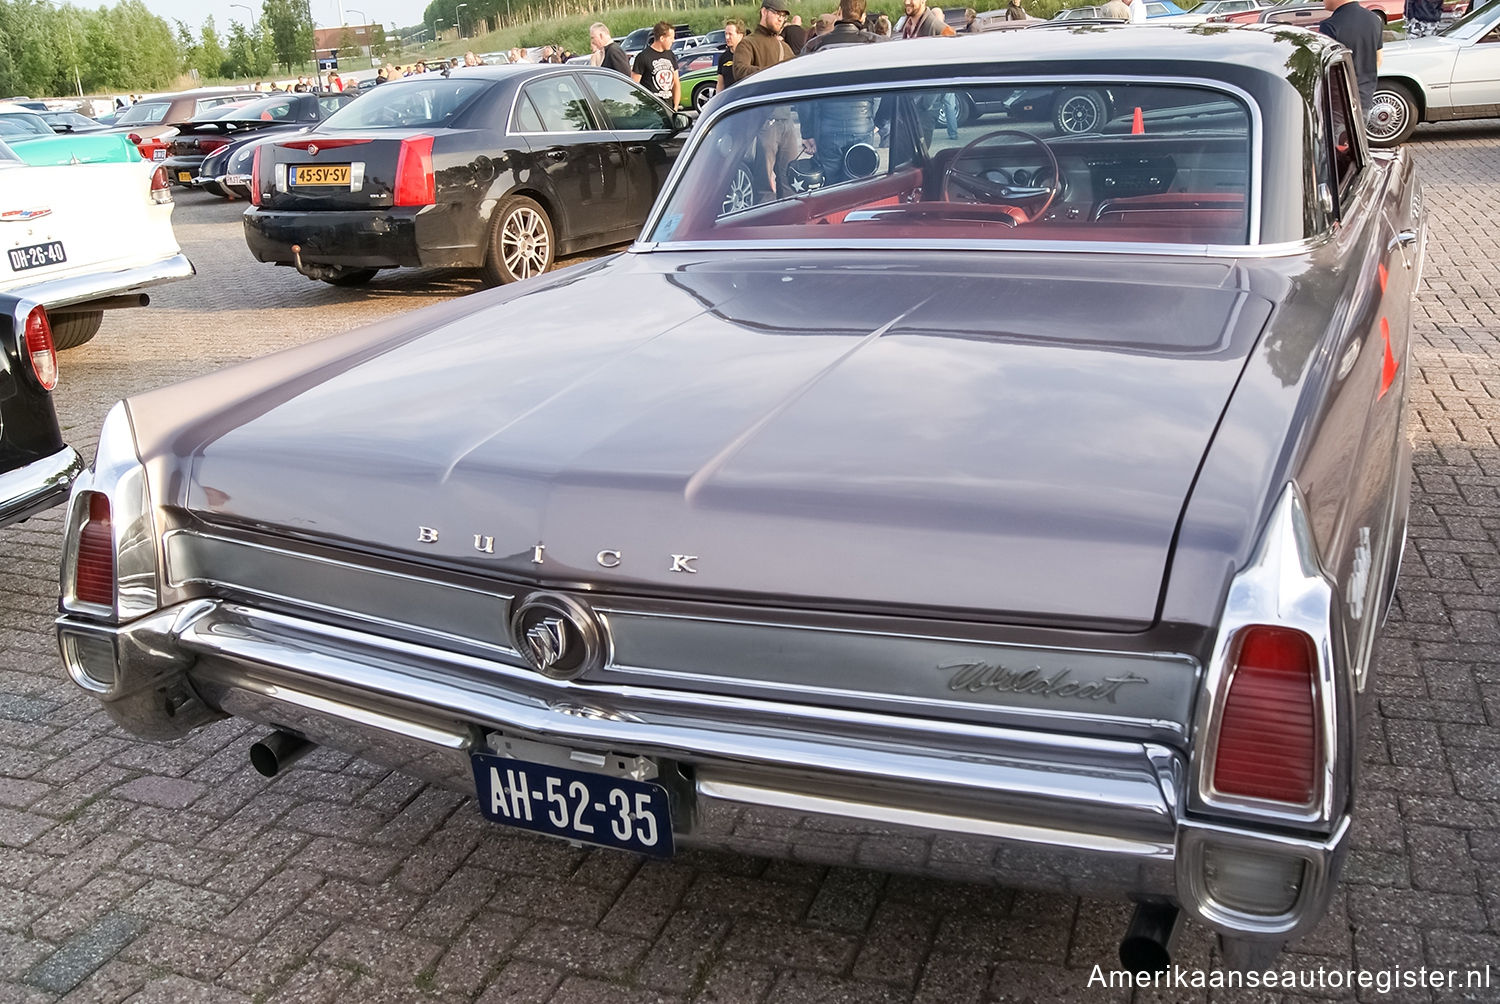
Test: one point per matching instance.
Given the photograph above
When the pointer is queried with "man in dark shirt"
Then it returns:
(656, 68)
(610, 55)
(734, 30)
(1362, 30)
(847, 30)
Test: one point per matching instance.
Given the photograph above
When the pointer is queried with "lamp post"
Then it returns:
(253, 29)
(458, 13)
(438, 31)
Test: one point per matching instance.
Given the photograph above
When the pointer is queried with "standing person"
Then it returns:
(847, 30)
(1422, 17)
(656, 68)
(883, 26)
(734, 31)
(1137, 11)
(471, 60)
(611, 56)
(1363, 31)
(923, 21)
(822, 26)
(335, 82)
(793, 34)
(781, 135)
(1015, 12)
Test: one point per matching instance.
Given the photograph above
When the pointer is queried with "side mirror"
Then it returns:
(681, 122)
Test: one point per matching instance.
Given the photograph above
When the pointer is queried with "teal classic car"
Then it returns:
(30, 137)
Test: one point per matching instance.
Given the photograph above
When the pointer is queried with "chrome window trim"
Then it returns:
(689, 151)
(1284, 585)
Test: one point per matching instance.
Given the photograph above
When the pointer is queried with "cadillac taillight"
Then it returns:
(36, 340)
(94, 575)
(415, 183)
(161, 187)
(1268, 733)
(255, 178)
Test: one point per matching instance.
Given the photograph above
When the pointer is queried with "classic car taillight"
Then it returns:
(1268, 734)
(207, 146)
(94, 575)
(37, 341)
(161, 187)
(415, 184)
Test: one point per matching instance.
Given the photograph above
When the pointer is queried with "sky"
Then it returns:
(325, 12)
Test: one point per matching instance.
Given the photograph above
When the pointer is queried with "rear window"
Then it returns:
(1143, 163)
(414, 103)
(144, 113)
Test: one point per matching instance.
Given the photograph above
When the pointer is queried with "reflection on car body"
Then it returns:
(1020, 507)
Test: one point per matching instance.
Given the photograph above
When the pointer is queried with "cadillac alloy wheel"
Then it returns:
(522, 244)
(741, 193)
(1393, 114)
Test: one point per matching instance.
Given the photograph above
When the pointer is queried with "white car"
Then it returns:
(80, 238)
(1213, 8)
(1454, 74)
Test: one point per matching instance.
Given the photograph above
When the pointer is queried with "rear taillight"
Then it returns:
(37, 342)
(94, 577)
(255, 178)
(161, 188)
(1268, 733)
(207, 146)
(415, 184)
(135, 138)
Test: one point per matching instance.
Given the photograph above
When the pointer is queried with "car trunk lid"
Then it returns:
(967, 433)
(313, 171)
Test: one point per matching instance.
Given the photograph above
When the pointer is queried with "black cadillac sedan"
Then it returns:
(499, 168)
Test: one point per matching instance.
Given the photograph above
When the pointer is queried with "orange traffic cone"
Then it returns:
(1137, 124)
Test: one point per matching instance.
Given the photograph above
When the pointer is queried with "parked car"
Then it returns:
(36, 466)
(1454, 74)
(1213, 8)
(1023, 506)
(1301, 12)
(83, 238)
(70, 122)
(277, 114)
(153, 121)
(699, 85)
(498, 168)
(641, 37)
(1154, 9)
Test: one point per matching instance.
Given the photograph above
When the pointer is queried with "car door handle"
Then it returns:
(1404, 239)
(635, 149)
(558, 154)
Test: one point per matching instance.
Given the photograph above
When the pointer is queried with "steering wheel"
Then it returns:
(1001, 194)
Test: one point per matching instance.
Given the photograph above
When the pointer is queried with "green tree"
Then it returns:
(210, 62)
(288, 27)
(348, 43)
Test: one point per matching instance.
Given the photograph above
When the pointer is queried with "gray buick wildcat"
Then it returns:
(1000, 503)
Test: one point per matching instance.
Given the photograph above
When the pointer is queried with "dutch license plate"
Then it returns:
(592, 808)
(320, 174)
(184, 176)
(37, 256)
(159, 154)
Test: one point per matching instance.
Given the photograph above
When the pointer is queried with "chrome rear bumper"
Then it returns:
(67, 291)
(39, 485)
(962, 801)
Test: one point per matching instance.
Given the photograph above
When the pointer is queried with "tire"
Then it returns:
(704, 93)
(522, 242)
(1080, 111)
(741, 192)
(1393, 115)
(352, 276)
(71, 330)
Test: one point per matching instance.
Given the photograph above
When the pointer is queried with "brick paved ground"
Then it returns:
(175, 873)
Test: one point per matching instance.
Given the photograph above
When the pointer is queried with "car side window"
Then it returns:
(525, 119)
(559, 106)
(626, 105)
(1342, 138)
(330, 104)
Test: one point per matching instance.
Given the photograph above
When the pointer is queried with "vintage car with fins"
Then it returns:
(1021, 507)
(84, 238)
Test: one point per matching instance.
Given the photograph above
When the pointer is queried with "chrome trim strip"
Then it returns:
(363, 716)
(935, 821)
(720, 109)
(39, 485)
(70, 290)
(1283, 585)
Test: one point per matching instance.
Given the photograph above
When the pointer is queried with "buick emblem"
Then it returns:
(558, 636)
